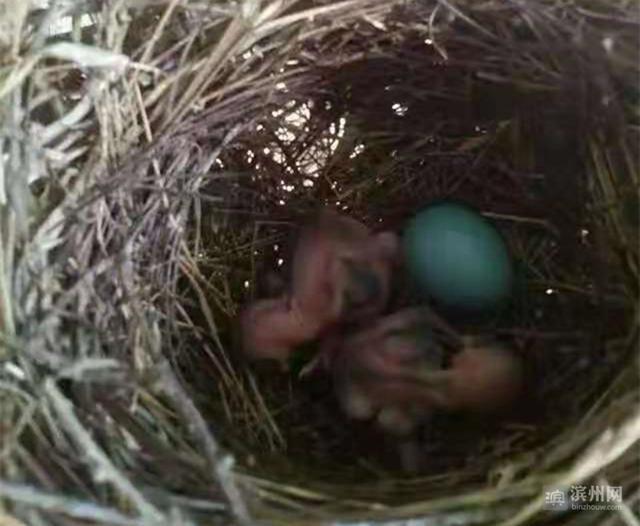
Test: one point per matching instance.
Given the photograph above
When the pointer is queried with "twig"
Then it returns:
(467, 19)
(104, 470)
(624, 510)
(66, 122)
(518, 219)
(219, 462)
(610, 446)
(79, 509)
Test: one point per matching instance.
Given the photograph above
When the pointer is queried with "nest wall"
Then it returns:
(155, 176)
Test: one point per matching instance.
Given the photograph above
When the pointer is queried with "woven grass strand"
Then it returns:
(156, 158)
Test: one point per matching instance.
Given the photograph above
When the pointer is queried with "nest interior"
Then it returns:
(177, 152)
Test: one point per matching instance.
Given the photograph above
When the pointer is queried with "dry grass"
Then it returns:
(156, 161)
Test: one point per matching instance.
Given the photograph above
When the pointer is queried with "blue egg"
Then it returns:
(458, 259)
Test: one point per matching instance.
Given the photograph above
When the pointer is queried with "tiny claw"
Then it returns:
(356, 404)
(317, 362)
(396, 421)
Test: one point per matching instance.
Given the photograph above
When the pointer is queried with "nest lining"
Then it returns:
(398, 160)
(375, 116)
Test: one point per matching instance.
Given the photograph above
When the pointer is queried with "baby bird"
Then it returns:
(341, 273)
(393, 371)
(375, 371)
(270, 329)
(483, 378)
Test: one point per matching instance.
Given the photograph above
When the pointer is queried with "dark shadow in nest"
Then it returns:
(380, 138)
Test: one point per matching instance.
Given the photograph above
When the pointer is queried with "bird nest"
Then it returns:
(158, 159)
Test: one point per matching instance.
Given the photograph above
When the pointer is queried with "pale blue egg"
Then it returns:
(458, 258)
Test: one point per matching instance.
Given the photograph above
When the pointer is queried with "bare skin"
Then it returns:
(271, 329)
(392, 373)
(481, 379)
(374, 371)
(341, 273)
(341, 270)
